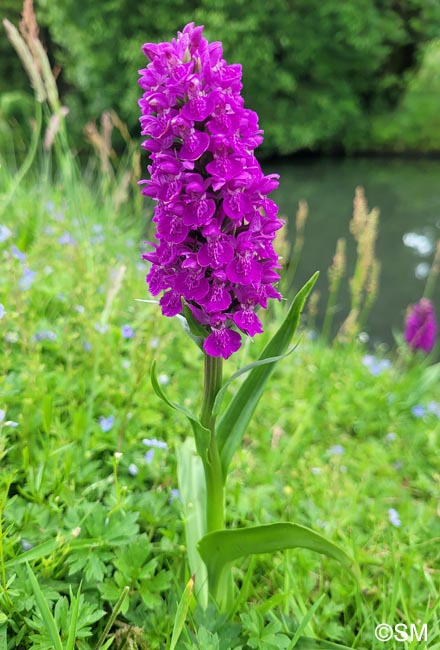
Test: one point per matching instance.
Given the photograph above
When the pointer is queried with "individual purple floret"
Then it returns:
(420, 326)
(215, 224)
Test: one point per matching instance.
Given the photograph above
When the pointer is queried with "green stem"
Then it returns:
(215, 516)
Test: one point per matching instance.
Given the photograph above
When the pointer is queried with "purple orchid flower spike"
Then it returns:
(215, 224)
(420, 326)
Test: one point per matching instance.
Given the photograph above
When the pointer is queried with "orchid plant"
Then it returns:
(214, 264)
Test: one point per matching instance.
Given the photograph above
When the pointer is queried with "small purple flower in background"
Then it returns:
(106, 424)
(25, 545)
(50, 207)
(127, 332)
(175, 495)
(420, 326)
(67, 239)
(2, 415)
(45, 335)
(27, 279)
(133, 469)
(336, 450)
(153, 442)
(86, 346)
(11, 337)
(316, 470)
(375, 366)
(17, 253)
(163, 379)
(434, 407)
(5, 233)
(215, 222)
(79, 308)
(394, 518)
(2, 311)
(149, 456)
(391, 437)
(418, 411)
(102, 329)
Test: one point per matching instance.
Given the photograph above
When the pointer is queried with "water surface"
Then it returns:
(407, 194)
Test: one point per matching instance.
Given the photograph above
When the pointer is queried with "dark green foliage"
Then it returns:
(316, 72)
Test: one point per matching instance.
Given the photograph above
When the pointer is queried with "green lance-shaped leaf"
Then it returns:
(202, 435)
(191, 481)
(222, 547)
(234, 421)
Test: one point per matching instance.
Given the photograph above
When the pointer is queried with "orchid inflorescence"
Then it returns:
(215, 222)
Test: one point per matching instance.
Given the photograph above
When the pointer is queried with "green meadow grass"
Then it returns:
(332, 447)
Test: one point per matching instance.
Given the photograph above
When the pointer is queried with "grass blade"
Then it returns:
(111, 620)
(74, 602)
(182, 611)
(304, 623)
(44, 610)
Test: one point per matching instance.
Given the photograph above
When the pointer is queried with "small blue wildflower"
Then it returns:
(391, 436)
(86, 346)
(418, 411)
(79, 308)
(163, 379)
(149, 456)
(398, 465)
(11, 423)
(126, 364)
(106, 424)
(97, 239)
(2, 415)
(434, 407)
(66, 238)
(316, 470)
(45, 335)
(336, 450)
(154, 343)
(11, 337)
(17, 253)
(2, 311)
(153, 442)
(25, 545)
(175, 494)
(27, 279)
(374, 365)
(101, 328)
(394, 518)
(97, 228)
(127, 332)
(133, 469)
(5, 233)
(50, 207)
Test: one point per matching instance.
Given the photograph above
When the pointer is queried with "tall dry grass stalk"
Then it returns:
(433, 274)
(30, 50)
(365, 280)
(300, 224)
(335, 274)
